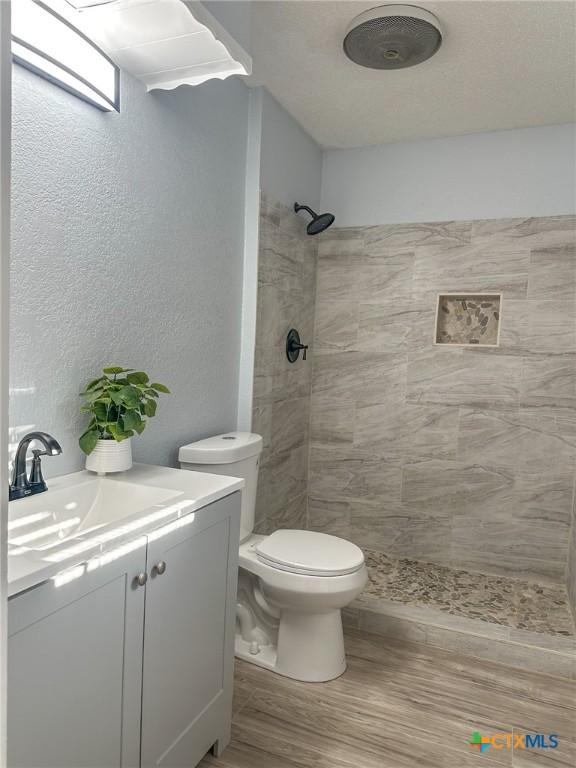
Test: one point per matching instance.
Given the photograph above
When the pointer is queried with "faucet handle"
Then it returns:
(36, 479)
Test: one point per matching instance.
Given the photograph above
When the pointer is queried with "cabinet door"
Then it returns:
(75, 670)
(189, 637)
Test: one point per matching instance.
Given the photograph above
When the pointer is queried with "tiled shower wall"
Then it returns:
(571, 570)
(460, 456)
(281, 412)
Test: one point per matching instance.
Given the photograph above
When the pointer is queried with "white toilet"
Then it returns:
(292, 584)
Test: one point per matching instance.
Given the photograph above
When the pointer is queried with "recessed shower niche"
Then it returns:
(468, 320)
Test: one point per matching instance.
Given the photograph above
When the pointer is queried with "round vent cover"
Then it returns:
(393, 37)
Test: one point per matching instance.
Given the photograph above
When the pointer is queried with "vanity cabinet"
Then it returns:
(189, 641)
(111, 672)
(75, 670)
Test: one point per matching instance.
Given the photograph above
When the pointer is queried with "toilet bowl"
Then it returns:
(306, 595)
(292, 584)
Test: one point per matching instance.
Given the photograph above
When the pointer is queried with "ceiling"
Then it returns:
(503, 64)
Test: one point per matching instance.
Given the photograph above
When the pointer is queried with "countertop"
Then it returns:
(30, 564)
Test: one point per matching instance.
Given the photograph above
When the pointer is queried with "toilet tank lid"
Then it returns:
(222, 449)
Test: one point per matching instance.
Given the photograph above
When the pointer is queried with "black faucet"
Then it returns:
(21, 485)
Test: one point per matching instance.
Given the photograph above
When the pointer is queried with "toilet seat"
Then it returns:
(309, 553)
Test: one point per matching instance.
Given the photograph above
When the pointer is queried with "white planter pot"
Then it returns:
(110, 456)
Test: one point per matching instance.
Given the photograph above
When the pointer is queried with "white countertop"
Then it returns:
(174, 494)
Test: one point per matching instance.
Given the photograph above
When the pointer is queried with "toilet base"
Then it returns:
(310, 647)
(266, 656)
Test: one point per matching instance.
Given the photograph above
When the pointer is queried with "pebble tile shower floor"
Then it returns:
(499, 600)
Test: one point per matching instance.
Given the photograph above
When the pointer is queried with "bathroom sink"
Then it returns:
(86, 519)
(40, 522)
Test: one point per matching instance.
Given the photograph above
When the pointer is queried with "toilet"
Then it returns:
(292, 584)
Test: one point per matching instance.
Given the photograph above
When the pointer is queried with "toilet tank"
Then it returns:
(236, 454)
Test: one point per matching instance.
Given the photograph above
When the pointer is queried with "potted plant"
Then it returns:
(119, 402)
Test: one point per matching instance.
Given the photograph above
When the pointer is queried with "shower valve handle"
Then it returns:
(294, 347)
(301, 348)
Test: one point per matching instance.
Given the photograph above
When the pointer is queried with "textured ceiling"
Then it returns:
(503, 64)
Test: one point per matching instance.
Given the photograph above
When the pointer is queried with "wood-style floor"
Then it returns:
(397, 706)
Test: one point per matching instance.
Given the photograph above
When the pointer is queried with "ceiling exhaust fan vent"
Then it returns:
(392, 37)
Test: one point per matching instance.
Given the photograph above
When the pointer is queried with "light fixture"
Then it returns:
(163, 43)
(49, 45)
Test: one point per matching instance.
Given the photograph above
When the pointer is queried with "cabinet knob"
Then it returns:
(141, 579)
(160, 567)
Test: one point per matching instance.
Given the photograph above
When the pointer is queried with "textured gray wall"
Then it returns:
(127, 249)
(459, 456)
(291, 161)
(497, 174)
(281, 409)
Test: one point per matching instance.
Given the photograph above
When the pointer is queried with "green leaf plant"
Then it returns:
(119, 402)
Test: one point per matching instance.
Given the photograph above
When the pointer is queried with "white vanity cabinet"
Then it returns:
(75, 670)
(189, 639)
(131, 664)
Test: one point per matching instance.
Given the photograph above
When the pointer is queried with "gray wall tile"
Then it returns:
(536, 232)
(511, 546)
(336, 326)
(474, 268)
(332, 422)
(552, 274)
(329, 516)
(490, 436)
(551, 326)
(382, 277)
(549, 381)
(348, 473)
(571, 565)
(381, 239)
(484, 440)
(544, 497)
(457, 456)
(463, 377)
(281, 409)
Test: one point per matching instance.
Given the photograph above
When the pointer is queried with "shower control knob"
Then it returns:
(141, 579)
(294, 347)
(160, 567)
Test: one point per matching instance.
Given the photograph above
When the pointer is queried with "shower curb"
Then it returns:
(489, 642)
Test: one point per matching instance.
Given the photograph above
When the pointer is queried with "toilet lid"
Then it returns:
(310, 553)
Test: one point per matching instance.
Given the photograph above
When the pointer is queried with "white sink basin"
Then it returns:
(40, 522)
(83, 518)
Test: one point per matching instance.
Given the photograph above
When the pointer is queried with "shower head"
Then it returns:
(393, 37)
(320, 221)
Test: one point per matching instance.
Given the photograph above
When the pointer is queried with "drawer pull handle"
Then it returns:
(160, 567)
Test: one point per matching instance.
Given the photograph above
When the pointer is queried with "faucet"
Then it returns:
(21, 485)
